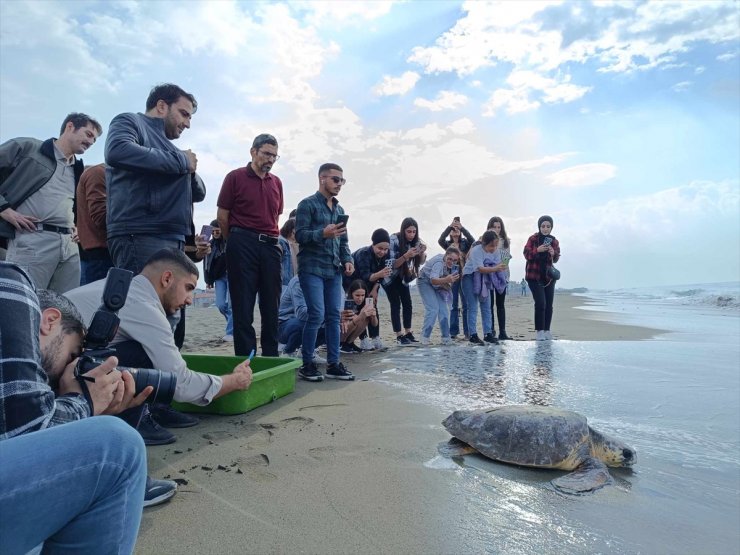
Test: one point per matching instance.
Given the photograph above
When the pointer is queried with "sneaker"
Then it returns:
(426, 341)
(548, 335)
(403, 341)
(291, 354)
(411, 338)
(338, 371)
(378, 343)
(489, 338)
(366, 344)
(317, 358)
(448, 341)
(349, 349)
(310, 373)
(475, 340)
(158, 491)
(168, 417)
(540, 335)
(281, 348)
(453, 337)
(228, 338)
(503, 336)
(153, 433)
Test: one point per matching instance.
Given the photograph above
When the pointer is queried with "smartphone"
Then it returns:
(342, 219)
(547, 241)
(349, 304)
(455, 269)
(389, 263)
(206, 232)
(368, 301)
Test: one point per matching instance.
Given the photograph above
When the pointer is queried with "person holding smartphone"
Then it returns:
(541, 252)
(408, 253)
(435, 283)
(496, 224)
(359, 312)
(455, 235)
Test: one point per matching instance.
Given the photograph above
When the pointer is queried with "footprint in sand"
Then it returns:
(294, 423)
(218, 435)
(322, 453)
(255, 467)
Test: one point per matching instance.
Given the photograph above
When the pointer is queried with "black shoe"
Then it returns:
(158, 491)
(310, 373)
(153, 433)
(410, 337)
(349, 349)
(403, 341)
(338, 371)
(475, 340)
(489, 338)
(168, 417)
(503, 337)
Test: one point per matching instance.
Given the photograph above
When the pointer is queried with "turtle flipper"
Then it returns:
(591, 474)
(455, 448)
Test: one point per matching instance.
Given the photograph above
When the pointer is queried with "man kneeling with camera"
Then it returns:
(145, 340)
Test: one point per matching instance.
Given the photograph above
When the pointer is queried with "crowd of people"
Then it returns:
(65, 226)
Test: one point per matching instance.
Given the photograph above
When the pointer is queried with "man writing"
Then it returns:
(37, 192)
(249, 205)
(323, 256)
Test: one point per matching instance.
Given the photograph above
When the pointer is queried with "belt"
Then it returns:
(54, 228)
(261, 237)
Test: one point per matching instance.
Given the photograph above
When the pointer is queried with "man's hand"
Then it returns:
(192, 160)
(18, 220)
(349, 268)
(75, 238)
(102, 391)
(239, 379)
(332, 231)
(202, 247)
(125, 395)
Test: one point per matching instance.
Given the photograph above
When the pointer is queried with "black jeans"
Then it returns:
(497, 301)
(543, 299)
(399, 296)
(254, 266)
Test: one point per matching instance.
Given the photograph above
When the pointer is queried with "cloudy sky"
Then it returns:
(619, 119)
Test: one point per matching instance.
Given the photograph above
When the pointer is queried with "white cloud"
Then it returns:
(524, 85)
(462, 126)
(396, 85)
(328, 12)
(445, 100)
(682, 86)
(727, 56)
(515, 101)
(583, 175)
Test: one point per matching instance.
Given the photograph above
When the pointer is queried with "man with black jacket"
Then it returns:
(38, 180)
(214, 270)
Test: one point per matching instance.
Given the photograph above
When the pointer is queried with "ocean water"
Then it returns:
(675, 399)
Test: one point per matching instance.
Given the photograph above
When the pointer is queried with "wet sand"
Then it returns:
(335, 467)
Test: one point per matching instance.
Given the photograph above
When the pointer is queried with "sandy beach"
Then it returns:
(335, 467)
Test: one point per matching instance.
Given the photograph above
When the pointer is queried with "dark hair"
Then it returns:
(330, 166)
(214, 223)
(288, 228)
(263, 139)
(356, 285)
(293, 213)
(79, 119)
(403, 245)
(173, 257)
(71, 317)
(170, 94)
(488, 237)
(501, 235)
(453, 250)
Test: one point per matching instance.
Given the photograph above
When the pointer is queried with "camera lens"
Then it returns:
(163, 382)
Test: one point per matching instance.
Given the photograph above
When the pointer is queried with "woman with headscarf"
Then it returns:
(541, 252)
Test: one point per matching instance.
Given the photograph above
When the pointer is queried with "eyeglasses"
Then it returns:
(337, 180)
(269, 155)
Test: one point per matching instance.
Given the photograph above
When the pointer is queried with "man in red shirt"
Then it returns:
(249, 205)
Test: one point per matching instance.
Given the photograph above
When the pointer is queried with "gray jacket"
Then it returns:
(26, 165)
(150, 188)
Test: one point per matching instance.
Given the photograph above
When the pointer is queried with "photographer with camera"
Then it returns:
(41, 337)
(144, 338)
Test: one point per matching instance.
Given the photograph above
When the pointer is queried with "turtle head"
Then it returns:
(611, 451)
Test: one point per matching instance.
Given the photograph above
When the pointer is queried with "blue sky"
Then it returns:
(619, 119)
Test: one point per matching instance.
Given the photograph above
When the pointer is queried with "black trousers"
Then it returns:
(399, 297)
(497, 302)
(253, 266)
(543, 299)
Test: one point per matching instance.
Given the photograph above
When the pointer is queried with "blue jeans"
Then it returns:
(223, 302)
(290, 332)
(324, 298)
(435, 307)
(78, 488)
(483, 302)
(94, 269)
(458, 299)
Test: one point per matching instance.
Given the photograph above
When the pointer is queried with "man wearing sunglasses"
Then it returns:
(321, 232)
(249, 205)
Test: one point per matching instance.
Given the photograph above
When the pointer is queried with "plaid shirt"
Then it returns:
(322, 257)
(366, 264)
(533, 257)
(27, 403)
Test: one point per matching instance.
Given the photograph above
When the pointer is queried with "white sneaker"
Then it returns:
(366, 344)
(377, 343)
(548, 335)
(540, 336)
(281, 347)
(228, 338)
(425, 341)
(317, 359)
(448, 341)
(293, 354)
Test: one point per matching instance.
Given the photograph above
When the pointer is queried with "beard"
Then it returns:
(170, 127)
(50, 355)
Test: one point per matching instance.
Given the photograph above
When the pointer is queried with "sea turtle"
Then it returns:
(541, 437)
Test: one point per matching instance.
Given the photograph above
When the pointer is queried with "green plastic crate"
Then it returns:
(274, 377)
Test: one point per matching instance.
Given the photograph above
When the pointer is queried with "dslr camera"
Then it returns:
(101, 332)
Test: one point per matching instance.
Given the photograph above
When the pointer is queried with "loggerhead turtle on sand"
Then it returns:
(540, 437)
